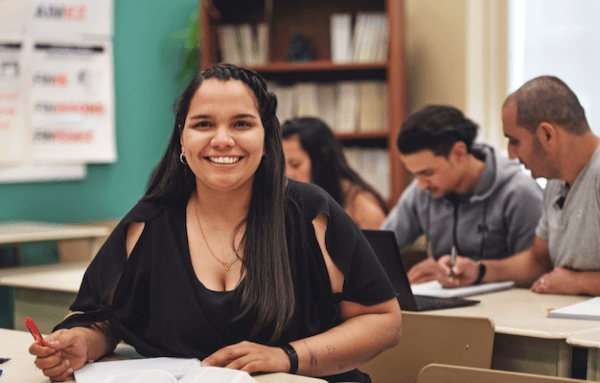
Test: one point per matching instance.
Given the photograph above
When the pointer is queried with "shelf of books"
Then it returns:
(339, 60)
(315, 66)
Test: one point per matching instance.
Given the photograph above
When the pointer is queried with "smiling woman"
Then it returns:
(223, 137)
(223, 236)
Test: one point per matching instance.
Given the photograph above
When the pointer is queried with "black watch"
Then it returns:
(291, 352)
(481, 273)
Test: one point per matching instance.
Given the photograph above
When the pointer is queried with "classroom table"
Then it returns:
(589, 339)
(526, 339)
(43, 293)
(21, 367)
(75, 242)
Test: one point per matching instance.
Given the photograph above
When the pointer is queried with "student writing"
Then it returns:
(464, 196)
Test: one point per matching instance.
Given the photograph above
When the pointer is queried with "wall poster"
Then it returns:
(56, 88)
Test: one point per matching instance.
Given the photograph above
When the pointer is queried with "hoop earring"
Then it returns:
(182, 159)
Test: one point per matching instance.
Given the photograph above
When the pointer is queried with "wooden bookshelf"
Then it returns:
(317, 66)
(312, 18)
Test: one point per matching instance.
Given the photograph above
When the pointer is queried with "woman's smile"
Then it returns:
(223, 160)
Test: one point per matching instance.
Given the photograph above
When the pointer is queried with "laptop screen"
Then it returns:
(386, 248)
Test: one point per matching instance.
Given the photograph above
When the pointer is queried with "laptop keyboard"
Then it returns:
(428, 303)
(425, 303)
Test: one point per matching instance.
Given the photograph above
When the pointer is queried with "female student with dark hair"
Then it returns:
(226, 260)
(314, 155)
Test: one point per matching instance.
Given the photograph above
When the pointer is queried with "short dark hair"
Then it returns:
(549, 99)
(436, 128)
(268, 290)
(328, 162)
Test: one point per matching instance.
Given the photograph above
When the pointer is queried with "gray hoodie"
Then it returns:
(498, 220)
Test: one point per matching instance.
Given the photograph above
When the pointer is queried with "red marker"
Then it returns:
(34, 331)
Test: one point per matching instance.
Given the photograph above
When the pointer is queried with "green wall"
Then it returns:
(146, 86)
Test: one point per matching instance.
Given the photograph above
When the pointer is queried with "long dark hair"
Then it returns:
(268, 290)
(328, 163)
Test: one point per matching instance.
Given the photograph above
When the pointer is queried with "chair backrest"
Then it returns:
(440, 373)
(426, 339)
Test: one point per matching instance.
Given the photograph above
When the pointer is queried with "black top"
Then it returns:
(162, 309)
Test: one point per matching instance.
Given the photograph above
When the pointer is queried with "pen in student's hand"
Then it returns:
(452, 260)
(2, 360)
(34, 331)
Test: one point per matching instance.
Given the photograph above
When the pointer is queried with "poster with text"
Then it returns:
(72, 101)
(69, 17)
(13, 96)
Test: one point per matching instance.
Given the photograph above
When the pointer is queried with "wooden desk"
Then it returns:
(21, 368)
(526, 339)
(43, 293)
(75, 242)
(47, 299)
(589, 339)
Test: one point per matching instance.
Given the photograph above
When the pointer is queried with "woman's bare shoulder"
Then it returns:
(365, 210)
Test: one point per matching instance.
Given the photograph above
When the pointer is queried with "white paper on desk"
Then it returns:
(435, 289)
(100, 371)
(216, 375)
(149, 376)
(158, 370)
(589, 309)
(197, 375)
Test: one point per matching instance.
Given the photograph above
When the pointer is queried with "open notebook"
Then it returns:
(158, 370)
(435, 289)
(386, 248)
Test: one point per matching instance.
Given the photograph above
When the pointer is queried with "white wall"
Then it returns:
(559, 38)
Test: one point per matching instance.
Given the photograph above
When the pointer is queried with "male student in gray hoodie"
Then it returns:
(464, 195)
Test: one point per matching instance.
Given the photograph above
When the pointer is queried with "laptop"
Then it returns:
(386, 248)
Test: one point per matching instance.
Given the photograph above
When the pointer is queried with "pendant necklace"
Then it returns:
(226, 265)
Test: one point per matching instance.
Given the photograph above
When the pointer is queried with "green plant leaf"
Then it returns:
(185, 42)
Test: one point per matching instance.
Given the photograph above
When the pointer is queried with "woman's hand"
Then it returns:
(66, 352)
(250, 357)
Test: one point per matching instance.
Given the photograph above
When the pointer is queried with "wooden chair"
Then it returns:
(440, 373)
(426, 339)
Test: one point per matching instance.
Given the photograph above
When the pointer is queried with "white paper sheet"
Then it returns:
(589, 309)
(435, 289)
(100, 371)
